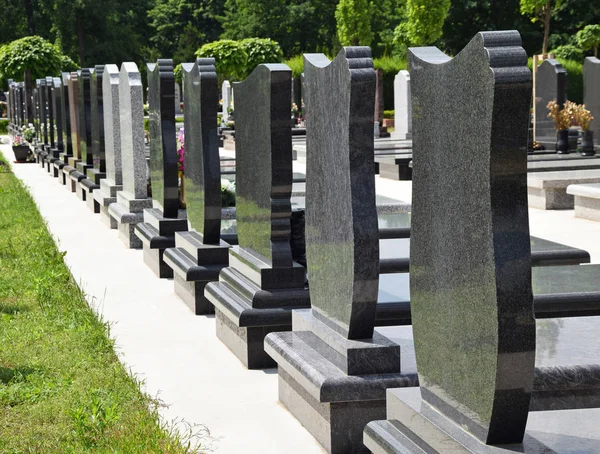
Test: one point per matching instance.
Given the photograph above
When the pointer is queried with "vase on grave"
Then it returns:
(181, 190)
(21, 152)
(587, 143)
(562, 141)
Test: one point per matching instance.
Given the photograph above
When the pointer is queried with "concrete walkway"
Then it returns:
(178, 354)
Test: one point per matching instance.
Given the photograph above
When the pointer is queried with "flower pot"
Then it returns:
(587, 144)
(21, 152)
(562, 142)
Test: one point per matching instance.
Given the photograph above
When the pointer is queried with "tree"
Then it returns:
(259, 51)
(353, 19)
(230, 58)
(589, 38)
(540, 9)
(423, 23)
(385, 17)
(35, 54)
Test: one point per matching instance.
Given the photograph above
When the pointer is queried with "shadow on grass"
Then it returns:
(12, 309)
(18, 373)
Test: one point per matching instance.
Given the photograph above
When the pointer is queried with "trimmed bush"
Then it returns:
(388, 114)
(568, 52)
(260, 51)
(230, 58)
(296, 64)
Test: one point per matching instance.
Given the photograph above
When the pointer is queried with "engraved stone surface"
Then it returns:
(471, 296)
(85, 116)
(97, 118)
(112, 124)
(402, 106)
(202, 165)
(550, 85)
(74, 114)
(65, 108)
(163, 148)
(342, 242)
(131, 107)
(591, 93)
(263, 191)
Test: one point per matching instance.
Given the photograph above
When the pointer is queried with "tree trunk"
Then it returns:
(29, 12)
(546, 12)
(81, 40)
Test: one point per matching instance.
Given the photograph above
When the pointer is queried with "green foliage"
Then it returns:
(4, 126)
(178, 74)
(259, 51)
(353, 19)
(390, 67)
(423, 24)
(385, 16)
(568, 52)
(296, 64)
(533, 8)
(388, 114)
(589, 38)
(230, 58)
(33, 53)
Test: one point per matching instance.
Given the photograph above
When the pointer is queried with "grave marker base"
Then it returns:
(106, 195)
(128, 212)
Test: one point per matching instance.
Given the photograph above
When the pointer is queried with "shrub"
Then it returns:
(178, 75)
(259, 51)
(390, 67)
(388, 114)
(4, 126)
(296, 64)
(230, 58)
(574, 79)
(589, 38)
(568, 52)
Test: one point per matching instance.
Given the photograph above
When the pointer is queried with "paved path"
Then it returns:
(177, 353)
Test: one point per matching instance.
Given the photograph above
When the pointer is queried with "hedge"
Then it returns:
(4, 126)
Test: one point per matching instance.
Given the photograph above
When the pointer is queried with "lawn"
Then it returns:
(62, 388)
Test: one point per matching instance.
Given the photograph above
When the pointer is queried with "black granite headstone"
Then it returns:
(41, 88)
(97, 118)
(163, 148)
(85, 119)
(550, 85)
(57, 110)
(50, 107)
(591, 93)
(66, 117)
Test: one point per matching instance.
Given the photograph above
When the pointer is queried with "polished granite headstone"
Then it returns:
(133, 199)
(74, 160)
(67, 152)
(113, 182)
(402, 106)
(226, 100)
(591, 93)
(57, 149)
(262, 263)
(471, 295)
(42, 115)
(85, 131)
(200, 254)
(157, 232)
(96, 173)
(550, 85)
(50, 144)
(333, 367)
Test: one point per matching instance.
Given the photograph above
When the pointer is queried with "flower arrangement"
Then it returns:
(295, 110)
(18, 140)
(181, 150)
(28, 132)
(582, 117)
(562, 117)
(227, 193)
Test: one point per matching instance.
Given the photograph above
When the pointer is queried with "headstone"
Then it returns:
(161, 221)
(381, 130)
(50, 120)
(262, 262)
(113, 182)
(56, 95)
(591, 93)
(550, 85)
(98, 172)
(226, 100)
(200, 254)
(85, 131)
(67, 152)
(402, 106)
(335, 341)
(473, 320)
(177, 99)
(133, 199)
(41, 87)
(10, 106)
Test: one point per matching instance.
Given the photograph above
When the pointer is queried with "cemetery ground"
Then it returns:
(62, 387)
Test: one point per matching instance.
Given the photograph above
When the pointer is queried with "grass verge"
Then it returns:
(62, 388)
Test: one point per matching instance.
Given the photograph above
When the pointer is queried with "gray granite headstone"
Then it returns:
(264, 164)
(112, 125)
(56, 91)
(591, 93)
(50, 107)
(379, 97)
(66, 114)
(10, 103)
(202, 166)
(226, 99)
(131, 107)
(97, 119)
(163, 148)
(177, 99)
(74, 114)
(471, 295)
(550, 85)
(85, 119)
(402, 106)
(41, 88)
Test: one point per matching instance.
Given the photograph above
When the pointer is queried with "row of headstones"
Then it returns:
(334, 368)
(551, 85)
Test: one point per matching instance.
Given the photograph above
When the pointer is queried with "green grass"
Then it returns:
(4, 126)
(62, 388)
